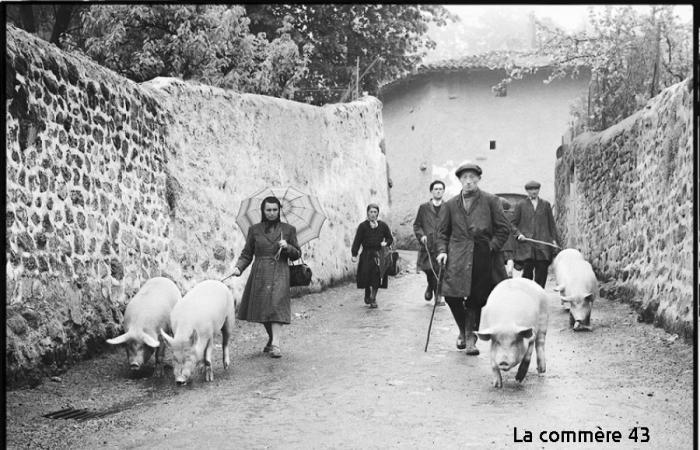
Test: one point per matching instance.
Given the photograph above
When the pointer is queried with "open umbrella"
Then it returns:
(299, 209)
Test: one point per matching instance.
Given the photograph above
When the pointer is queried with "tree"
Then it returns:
(631, 57)
(49, 21)
(393, 37)
(208, 43)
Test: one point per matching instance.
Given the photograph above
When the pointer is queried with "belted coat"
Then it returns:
(266, 294)
(534, 224)
(426, 224)
(459, 228)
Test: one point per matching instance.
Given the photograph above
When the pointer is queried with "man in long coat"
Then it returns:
(471, 234)
(425, 228)
(533, 218)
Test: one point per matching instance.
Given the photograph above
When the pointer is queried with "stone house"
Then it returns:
(448, 112)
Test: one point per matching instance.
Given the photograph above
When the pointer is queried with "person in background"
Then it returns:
(371, 235)
(425, 228)
(471, 234)
(533, 218)
(270, 244)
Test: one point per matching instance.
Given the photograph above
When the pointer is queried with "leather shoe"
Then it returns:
(275, 352)
(373, 305)
(461, 342)
(428, 294)
(267, 348)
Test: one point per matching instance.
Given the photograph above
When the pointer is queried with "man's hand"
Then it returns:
(424, 239)
(441, 258)
(521, 237)
(283, 244)
(354, 259)
(236, 272)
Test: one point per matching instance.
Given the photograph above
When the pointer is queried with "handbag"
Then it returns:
(394, 267)
(299, 274)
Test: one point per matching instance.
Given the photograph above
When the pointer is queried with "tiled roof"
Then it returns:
(487, 61)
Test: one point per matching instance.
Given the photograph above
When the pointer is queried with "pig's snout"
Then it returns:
(505, 365)
(134, 366)
(180, 382)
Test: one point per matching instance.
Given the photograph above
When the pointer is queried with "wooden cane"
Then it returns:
(437, 297)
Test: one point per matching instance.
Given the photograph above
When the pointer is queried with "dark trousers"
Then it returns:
(467, 313)
(432, 280)
(540, 270)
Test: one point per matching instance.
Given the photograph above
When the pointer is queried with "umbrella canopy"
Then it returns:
(299, 209)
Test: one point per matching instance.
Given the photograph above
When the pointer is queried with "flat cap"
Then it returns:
(468, 166)
(532, 185)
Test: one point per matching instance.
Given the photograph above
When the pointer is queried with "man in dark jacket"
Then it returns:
(533, 218)
(471, 234)
(425, 228)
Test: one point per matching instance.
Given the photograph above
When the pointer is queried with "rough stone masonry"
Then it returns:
(110, 182)
(625, 199)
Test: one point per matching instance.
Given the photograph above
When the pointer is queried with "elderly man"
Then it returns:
(533, 218)
(472, 231)
(425, 228)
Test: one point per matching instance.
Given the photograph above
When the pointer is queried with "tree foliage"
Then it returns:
(308, 52)
(385, 40)
(631, 58)
(208, 43)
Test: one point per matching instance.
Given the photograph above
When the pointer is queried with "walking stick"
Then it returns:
(439, 281)
(540, 242)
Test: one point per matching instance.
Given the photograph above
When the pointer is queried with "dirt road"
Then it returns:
(351, 377)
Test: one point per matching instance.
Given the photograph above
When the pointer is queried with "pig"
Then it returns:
(207, 307)
(577, 287)
(515, 321)
(147, 313)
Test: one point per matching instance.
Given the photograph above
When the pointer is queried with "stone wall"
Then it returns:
(110, 183)
(625, 199)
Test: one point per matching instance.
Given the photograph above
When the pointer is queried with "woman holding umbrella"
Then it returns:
(372, 235)
(266, 295)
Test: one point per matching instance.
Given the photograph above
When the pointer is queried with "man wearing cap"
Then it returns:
(471, 234)
(533, 219)
(425, 228)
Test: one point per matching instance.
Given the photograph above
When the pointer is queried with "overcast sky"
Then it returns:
(569, 17)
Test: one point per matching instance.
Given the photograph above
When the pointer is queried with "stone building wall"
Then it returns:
(625, 199)
(110, 183)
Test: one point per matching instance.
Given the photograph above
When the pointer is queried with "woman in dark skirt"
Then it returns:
(372, 235)
(266, 295)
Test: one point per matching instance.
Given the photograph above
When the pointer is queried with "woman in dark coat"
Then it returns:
(266, 296)
(372, 235)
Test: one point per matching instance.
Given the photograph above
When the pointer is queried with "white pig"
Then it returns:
(515, 321)
(577, 286)
(207, 307)
(146, 313)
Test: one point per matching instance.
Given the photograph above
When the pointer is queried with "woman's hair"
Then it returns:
(372, 205)
(270, 199)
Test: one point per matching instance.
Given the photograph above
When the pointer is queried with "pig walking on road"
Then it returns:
(577, 286)
(515, 321)
(207, 307)
(147, 313)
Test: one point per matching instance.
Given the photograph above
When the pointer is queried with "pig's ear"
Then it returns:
(525, 333)
(565, 299)
(588, 297)
(193, 337)
(167, 338)
(149, 340)
(119, 339)
(558, 288)
(484, 335)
